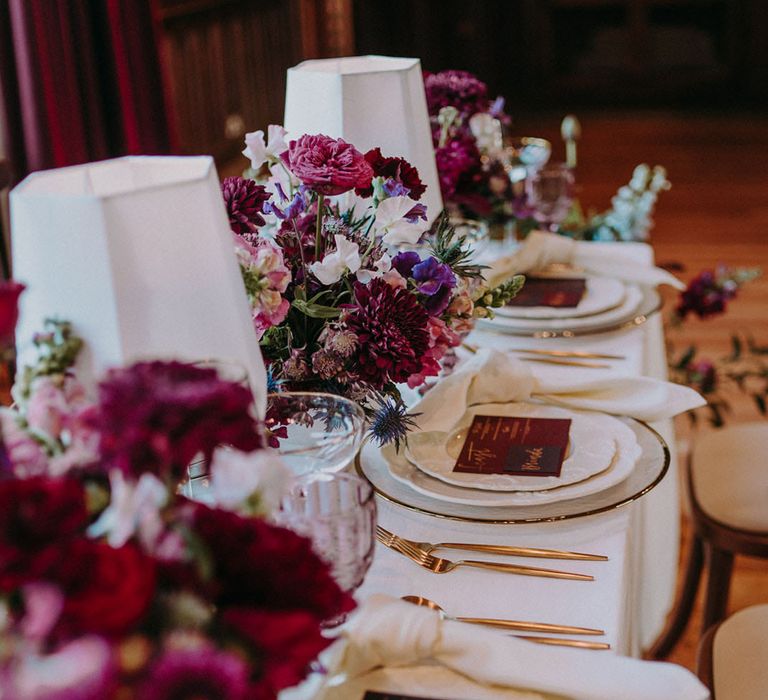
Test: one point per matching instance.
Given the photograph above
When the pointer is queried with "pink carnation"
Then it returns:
(329, 166)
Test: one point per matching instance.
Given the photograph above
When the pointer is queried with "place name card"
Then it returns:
(514, 445)
(550, 291)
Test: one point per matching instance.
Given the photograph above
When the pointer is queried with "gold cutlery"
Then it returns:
(443, 566)
(569, 363)
(506, 624)
(578, 354)
(388, 538)
(557, 642)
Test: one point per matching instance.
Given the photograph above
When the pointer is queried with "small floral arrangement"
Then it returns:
(629, 218)
(469, 152)
(351, 293)
(745, 368)
(112, 584)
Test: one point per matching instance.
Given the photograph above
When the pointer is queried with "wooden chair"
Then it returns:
(733, 656)
(727, 485)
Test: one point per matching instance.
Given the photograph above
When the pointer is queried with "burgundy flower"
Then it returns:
(329, 166)
(37, 516)
(107, 590)
(156, 416)
(702, 375)
(284, 641)
(260, 565)
(202, 673)
(391, 328)
(244, 200)
(397, 169)
(458, 165)
(9, 310)
(455, 88)
(706, 295)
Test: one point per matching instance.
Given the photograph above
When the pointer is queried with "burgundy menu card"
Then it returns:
(514, 445)
(550, 291)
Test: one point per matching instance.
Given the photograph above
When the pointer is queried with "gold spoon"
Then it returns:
(518, 625)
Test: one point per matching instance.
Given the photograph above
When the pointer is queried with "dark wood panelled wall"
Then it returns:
(225, 60)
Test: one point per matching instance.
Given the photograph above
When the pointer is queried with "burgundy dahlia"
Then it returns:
(329, 166)
(257, 564)
(244, 200)
(458, 165)
(455, 88)
(391, 329)
(156, 416)
(9, 309)
(37, 516)
(392, 168)
(203, 673)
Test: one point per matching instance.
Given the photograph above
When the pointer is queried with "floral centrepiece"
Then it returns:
(113, 584)
(352, 293)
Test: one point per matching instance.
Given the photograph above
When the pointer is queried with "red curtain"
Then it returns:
(80, 80)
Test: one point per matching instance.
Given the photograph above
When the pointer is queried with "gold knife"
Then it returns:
(569, 363)
(570, 353)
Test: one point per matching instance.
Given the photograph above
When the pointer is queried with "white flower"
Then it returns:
(334, 265)
(134, 508)
(487, 132)
(350, 202)
(382, 266)
(240, 480)
(391, 223)
(258, 151)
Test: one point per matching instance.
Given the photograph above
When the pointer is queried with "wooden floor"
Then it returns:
(716, 211)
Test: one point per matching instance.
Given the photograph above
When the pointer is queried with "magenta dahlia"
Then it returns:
(392, 332)
(455, 88)
(244, 200)
(156, 416)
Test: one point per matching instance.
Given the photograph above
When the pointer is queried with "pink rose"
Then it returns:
(329, 166)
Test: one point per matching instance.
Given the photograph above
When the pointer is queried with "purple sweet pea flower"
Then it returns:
(419, 211)
(405, 262)
(431, 276)
(438, 302)
(394, 188)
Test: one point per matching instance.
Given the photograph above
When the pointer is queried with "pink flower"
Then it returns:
(53, 403)
(441, 338)
(329, 166)
(24, 453)
(266, 278)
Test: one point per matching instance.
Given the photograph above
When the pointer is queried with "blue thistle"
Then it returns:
(273, 385)
(391, 422)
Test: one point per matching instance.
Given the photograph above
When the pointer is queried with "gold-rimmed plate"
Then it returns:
(649, 303)
(649, 470)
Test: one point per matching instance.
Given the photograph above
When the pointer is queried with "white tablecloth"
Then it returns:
(632, 592)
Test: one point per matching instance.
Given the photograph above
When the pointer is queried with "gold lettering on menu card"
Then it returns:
(533, 461)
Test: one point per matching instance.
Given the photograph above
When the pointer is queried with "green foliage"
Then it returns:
(451, 249)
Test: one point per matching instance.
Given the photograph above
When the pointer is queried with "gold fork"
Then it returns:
(443, 566)
(429, 547)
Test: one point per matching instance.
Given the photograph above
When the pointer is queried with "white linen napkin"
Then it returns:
(386, 632)
(492, 376)
(542, 248)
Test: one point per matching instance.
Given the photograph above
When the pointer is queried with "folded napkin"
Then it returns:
(542, 248)
(386, 632)
(492, 376)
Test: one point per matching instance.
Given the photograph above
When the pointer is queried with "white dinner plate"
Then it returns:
(591, 448)
(649, 470)
(602, 294)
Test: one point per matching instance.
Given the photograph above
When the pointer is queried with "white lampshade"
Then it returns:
(138, 254)
(368, 101)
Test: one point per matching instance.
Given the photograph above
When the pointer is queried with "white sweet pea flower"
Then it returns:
(248, 483)
(350, 202)
(391, 223)
(260, 151)
(487, 132)
(382, 266)
(334, 265)
(134, 508)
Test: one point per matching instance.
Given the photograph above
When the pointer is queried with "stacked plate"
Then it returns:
(607, 304)
(608, 462)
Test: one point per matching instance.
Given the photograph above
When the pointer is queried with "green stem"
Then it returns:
(319, 224)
